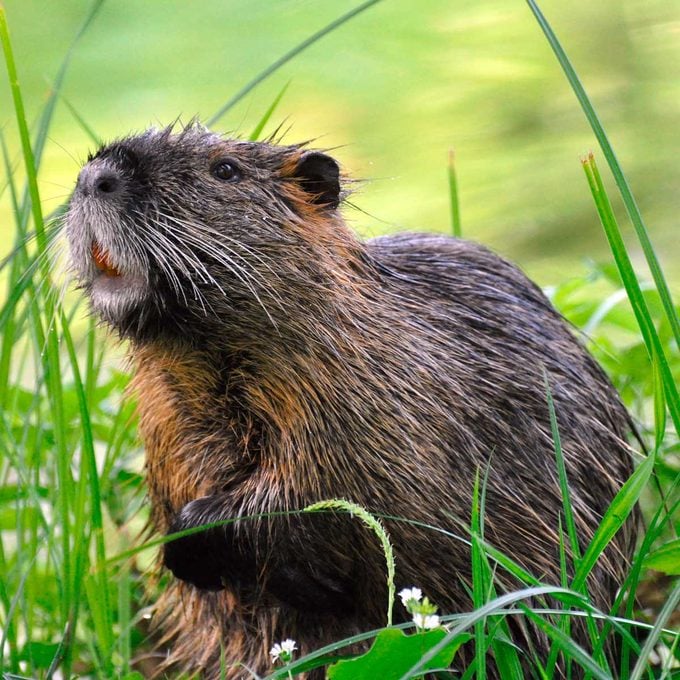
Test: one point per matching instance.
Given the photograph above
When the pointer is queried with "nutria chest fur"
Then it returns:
(280, 361)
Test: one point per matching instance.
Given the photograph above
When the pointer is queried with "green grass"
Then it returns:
(73, 570)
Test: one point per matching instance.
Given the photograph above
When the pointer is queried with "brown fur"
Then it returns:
(388, 373)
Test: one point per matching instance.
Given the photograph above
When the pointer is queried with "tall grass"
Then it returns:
(72, 590)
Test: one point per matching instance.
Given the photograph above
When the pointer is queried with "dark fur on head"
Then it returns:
(193, 248)
(280, 361)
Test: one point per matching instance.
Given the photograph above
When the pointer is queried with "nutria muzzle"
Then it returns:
(106, 258)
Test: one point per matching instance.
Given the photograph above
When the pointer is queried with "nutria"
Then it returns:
(281, 361)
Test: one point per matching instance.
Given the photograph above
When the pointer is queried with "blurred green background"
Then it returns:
(393, 90)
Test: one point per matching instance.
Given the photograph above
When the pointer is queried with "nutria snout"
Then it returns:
(280, 361)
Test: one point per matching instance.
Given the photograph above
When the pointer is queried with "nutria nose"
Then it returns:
(100, 180)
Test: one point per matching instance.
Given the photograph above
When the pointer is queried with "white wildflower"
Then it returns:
(426, 621)
(410, 594)
(662, 656)
(283, 651)
(288, 646)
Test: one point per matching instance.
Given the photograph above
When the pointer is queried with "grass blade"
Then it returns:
(377, 528)
(479, 579)
(27, 151)
(669, 608)
(659, 403)
(48, 111)
(613, 519)
(456, 226)
(89, 472)
(632, 286)
(567, 645)
(8, 639)
(46, 340)
(562, 474)
(281, 61)
(574, 551)
(617, 172)
(93, 136)
(494, 607)
(257, 131)
(8, 323)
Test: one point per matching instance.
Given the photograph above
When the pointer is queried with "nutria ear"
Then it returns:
(319, 176)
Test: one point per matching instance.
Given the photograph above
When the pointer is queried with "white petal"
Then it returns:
(408, 594)
(288, 646)
(431, 621)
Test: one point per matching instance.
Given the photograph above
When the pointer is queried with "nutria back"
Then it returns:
(280, 361)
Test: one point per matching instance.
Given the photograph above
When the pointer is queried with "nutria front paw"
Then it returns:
(201, 558)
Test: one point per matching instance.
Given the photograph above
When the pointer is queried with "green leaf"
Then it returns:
(666, 558)
(613, 519)
(39, 654)
(393, 653)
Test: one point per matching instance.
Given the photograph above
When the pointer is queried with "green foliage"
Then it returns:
(666, 558)
(393, 653)
(72, 589)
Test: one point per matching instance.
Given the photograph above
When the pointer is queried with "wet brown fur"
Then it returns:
(387, 373)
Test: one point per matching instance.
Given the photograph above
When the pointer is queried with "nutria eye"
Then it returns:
(225, 171)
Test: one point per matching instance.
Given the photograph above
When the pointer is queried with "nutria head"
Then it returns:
(174, 232)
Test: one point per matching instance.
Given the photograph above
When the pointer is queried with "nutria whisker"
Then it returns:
(165, 256)
(205, 230)
(246, 274)
(163, 222)
(185, 260)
